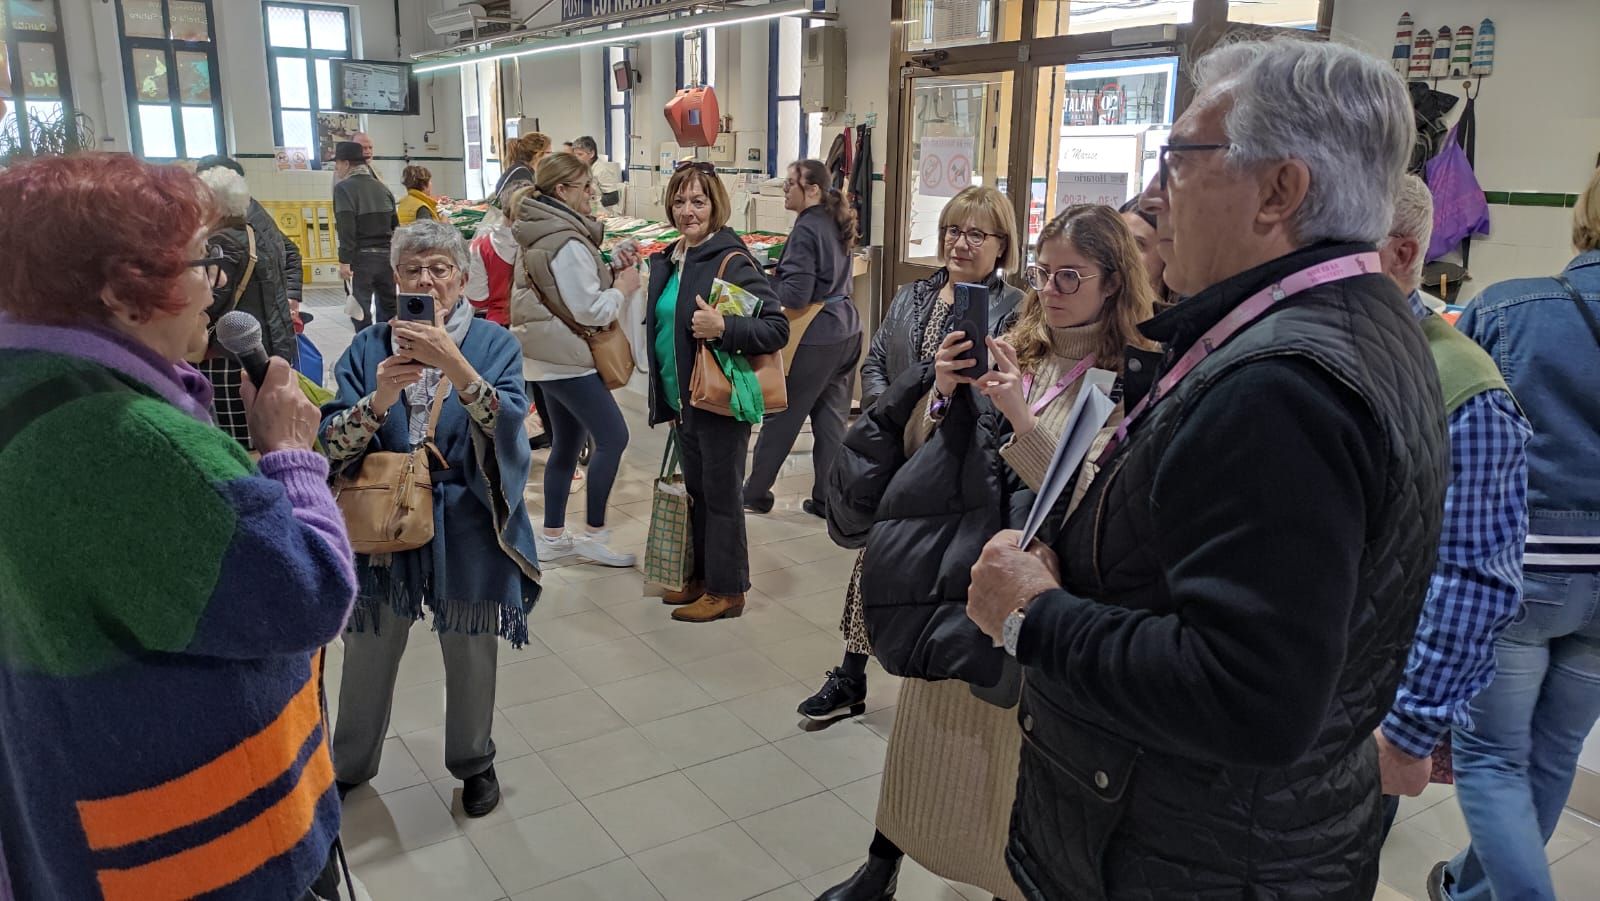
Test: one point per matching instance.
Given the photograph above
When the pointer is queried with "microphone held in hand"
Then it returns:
(240, 335)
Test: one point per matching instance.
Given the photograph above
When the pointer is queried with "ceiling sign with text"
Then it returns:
(573, 10)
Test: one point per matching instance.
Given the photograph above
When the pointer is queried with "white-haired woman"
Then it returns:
(479, 575)
(252, 281)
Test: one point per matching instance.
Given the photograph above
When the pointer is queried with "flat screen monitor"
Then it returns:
(375, 87)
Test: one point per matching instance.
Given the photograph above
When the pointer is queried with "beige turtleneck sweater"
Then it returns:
(1029, 454)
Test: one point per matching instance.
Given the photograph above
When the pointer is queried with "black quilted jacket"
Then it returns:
(924, 521)
(1255, 556)
(898, 339)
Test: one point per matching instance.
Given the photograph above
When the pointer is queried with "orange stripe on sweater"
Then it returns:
(231, 857)
(210, 789)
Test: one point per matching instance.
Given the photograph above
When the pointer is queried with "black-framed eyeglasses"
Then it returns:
(439, 271)
(1168, 148)
(702, 165)
(1066, 280)
(212, 264)
(973, 236)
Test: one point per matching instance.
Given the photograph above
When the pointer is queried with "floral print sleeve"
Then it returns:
(348, 433)
(485, 408)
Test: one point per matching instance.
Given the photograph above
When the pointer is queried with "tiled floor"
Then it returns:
(646, 759)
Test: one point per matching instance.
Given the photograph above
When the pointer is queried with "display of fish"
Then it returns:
(1483, 53)
(1443, 43)
(1401, 59)
(1461, 59)
(1421, 55)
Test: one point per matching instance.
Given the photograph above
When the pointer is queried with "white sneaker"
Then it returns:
(553, 549)
(591, 546)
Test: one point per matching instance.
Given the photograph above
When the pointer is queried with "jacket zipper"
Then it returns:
(1099, 517)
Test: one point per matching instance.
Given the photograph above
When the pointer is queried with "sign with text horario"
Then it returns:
(572, 10)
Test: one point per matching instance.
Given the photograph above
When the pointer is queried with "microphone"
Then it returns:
(240, 334)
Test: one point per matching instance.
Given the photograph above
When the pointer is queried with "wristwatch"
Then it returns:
(1011, 630)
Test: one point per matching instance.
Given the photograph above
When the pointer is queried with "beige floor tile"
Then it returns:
(614, 661)
(619, 880)
(1407, 857)
(534, 680)
(1576, 875)
(883, 690)
(753, 781)
(451, 869)
(880, 721)
(527, 787)
(1445, 822)
(841, 754)
(810, 835)
(532, 649)
(616, 587)
(803, 579)
(651, 813)
(684, 643)
(765, 558)
(772, 713)
(781, 526)
(422, 662)
(767, 622)
(607, 762)
(416, 708)
(814, 549)
(862, 795)
(545, 847)
(723, 864)
(397, 769)
(734, 675)
(559, 721)
(823, 609)
(809, 657)
(700, 735)
(558, 601)
(654, 696)
(427, 747)
(643, 615)
(580, 630)
(791, 892)
(404, 820)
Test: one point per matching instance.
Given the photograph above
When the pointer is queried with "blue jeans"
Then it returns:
(1515, 768)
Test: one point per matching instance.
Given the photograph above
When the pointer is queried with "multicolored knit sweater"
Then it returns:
(162, 600)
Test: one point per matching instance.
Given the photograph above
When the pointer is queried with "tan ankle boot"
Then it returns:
(711, 607)
(690, 593)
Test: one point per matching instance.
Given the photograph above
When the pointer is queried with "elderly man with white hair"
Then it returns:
(1476, 587)
(1214, 632)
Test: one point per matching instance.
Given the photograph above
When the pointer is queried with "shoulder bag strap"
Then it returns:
(440, 393)
(1583, 307)
(727, 258)
(671, 460)
(249, 268)
(558, 308)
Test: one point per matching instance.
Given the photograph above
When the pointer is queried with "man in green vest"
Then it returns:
(1476, 589)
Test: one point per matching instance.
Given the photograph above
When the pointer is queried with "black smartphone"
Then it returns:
(969, 313)
(414, 308)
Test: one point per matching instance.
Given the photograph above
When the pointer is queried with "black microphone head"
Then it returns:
(239, 333)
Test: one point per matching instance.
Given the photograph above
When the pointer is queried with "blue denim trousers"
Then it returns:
(1515, 767)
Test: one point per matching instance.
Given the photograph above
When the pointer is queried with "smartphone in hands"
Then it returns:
(412, 308)
(969, 314)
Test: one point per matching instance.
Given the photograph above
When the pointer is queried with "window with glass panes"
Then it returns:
(792, 133)
(302, 38)
(169, 57)
(697, 58)
(34, 87)
(619, 112)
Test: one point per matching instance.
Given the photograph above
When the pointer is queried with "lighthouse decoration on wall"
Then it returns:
(1443, 44)
(1422, 55)
(1461, 59)
(1401, 58)
(1483, 54)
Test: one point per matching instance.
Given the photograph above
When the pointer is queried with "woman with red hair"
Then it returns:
(161, 596)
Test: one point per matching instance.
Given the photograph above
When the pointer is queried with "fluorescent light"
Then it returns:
(627, 33)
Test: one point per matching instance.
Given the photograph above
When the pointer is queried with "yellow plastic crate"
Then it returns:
(309, 224)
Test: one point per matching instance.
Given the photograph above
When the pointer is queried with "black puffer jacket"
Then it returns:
(896, 343)
(265, 294)
(1254, 558)
(924, 521)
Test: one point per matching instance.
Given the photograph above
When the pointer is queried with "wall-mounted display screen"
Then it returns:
(375, 87)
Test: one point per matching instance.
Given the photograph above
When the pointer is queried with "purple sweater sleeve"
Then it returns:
(304, 475)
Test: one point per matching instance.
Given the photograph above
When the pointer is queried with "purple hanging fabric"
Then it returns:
(1459, 207)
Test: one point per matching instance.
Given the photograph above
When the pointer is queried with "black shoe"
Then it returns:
(761, 506)
(875, 881)
(815, 508)
(480, 794)
(1436, 880)
(841, 694)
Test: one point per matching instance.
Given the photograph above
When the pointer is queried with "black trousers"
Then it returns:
(819, 384)
(373, 283)
(714, 449)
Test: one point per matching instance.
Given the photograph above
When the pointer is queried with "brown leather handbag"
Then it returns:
(388, 503)
(613, 355)
(709, 388)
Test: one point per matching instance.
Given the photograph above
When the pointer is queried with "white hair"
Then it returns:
(1343, 113)
(428, 236)
(230, 190)
(1413, 217)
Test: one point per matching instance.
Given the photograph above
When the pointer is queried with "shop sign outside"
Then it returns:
(572, 10)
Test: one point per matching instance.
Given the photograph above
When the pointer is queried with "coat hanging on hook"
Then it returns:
(1401, 58)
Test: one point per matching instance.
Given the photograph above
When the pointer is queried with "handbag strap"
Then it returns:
(559, 310)
(1583, 307)
(249, 268)
(728, 258)
(671, 458)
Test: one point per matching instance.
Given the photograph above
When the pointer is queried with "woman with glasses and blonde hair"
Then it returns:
(977, 244)
(569, 286)
(947, 458)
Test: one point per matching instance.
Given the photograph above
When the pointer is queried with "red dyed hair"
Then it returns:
(74, 225)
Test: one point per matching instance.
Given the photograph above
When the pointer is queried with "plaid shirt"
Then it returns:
(1476, 587)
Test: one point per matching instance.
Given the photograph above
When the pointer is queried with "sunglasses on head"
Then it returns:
(702, 165)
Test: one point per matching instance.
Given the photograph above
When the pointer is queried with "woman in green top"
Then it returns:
(714, 447)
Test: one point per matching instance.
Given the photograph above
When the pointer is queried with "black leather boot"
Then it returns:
(875, 881)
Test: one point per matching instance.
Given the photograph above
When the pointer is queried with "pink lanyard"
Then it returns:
(1077, 372)
(1242, 315)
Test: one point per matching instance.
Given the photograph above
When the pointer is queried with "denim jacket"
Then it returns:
(1551, 360)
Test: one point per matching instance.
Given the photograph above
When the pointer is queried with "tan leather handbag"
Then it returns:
(709, 388)
(613, 355)
(388, 503)
(799, 321)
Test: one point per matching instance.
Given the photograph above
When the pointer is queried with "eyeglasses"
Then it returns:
(974, 237)
(212, 265)
(1066, 281)
(439, 271)
(702, 165)
(1165, 166)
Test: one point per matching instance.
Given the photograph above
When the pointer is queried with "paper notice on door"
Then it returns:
(1089, 414)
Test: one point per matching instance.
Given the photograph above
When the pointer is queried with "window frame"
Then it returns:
(310, 56)
(12, 40)
(171, 48)
(775, 100)
(623, 103)
(707, 53)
